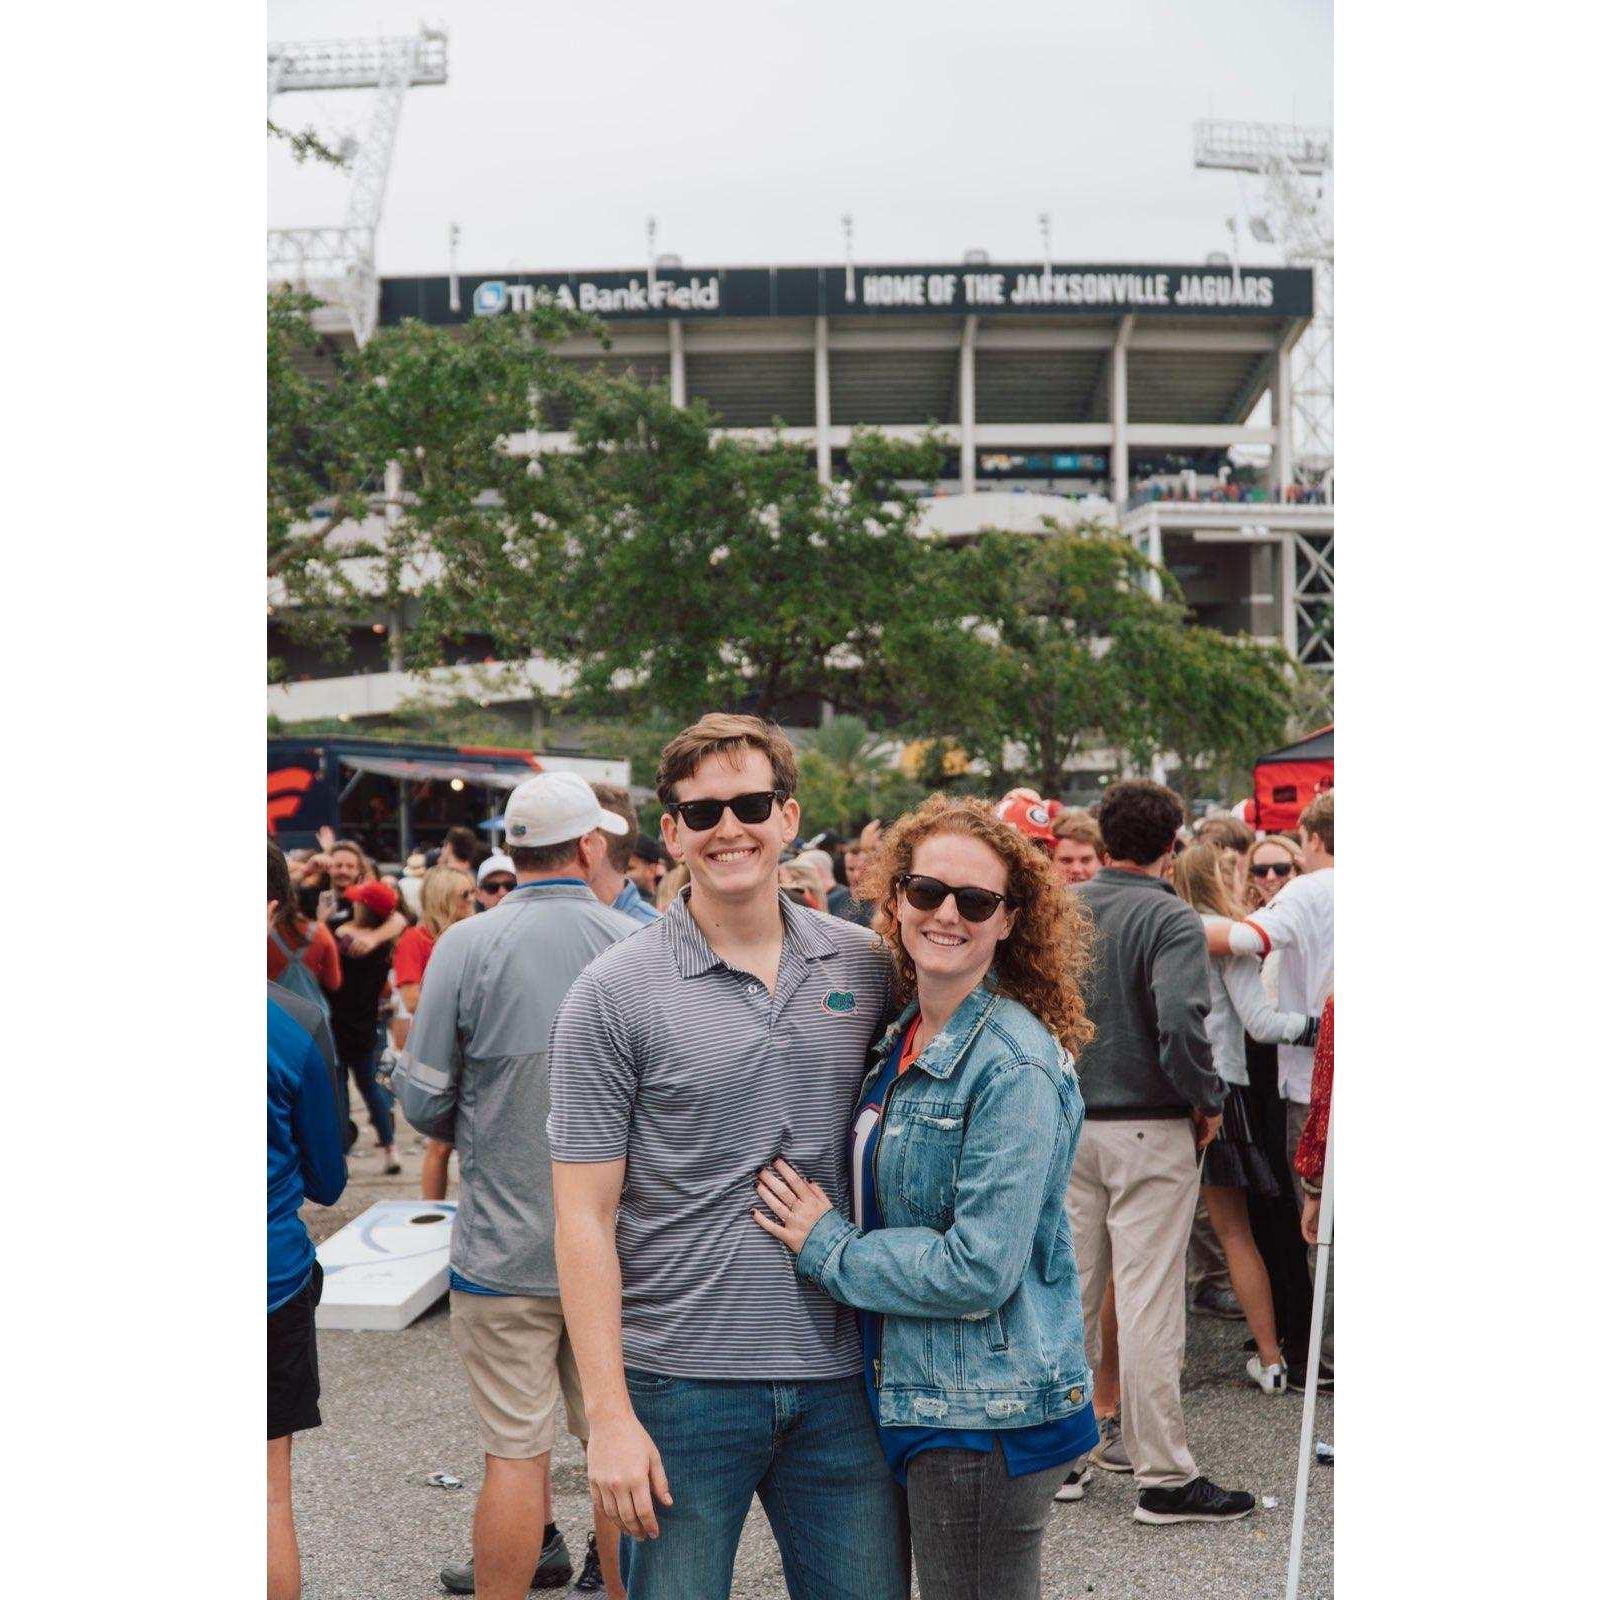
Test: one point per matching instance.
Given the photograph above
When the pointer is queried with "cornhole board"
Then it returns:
(384, 1269)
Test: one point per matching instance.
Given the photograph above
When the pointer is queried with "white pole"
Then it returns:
(1308, 1414)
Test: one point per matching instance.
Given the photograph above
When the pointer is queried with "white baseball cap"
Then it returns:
(496, 863)
(552, 808)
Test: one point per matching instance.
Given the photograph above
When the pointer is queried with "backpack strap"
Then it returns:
(293, 957)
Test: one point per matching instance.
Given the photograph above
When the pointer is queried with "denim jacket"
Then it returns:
(974, 1268)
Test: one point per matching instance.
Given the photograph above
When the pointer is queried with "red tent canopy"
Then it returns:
(1288, 780)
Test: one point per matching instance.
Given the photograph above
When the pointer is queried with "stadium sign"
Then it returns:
(711, 292)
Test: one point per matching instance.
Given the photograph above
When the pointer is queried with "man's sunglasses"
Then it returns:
(972, 904)
(1272, 869)
(497, 885)
(699, 815)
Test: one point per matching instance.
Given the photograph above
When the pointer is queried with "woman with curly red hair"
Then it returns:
(959, 1254)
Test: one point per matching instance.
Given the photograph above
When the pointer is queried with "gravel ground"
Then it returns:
(395, 1409)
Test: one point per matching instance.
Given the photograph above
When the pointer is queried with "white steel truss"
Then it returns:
(339, 263)
(1294, 164)
(1312, 600)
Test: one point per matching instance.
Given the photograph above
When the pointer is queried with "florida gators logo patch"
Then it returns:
(839, 1001)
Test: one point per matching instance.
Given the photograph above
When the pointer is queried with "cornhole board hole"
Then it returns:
(383, 1270)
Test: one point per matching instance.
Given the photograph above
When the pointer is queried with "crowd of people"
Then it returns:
(873, 1177)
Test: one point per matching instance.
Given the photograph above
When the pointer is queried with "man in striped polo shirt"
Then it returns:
(733, 1030)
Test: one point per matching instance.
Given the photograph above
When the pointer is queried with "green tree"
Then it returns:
(847, 778)
(311, 487)
(860, 755)
(700, 571)
(1018, 646)
(1213, 701)
(1046, 644)
(440, 404)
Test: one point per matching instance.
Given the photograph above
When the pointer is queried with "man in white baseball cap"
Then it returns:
(494, 983)
(553, 808)
(497, 877)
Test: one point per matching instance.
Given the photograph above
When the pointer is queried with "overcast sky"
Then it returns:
(748, 128)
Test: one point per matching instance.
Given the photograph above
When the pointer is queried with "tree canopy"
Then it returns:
(671, 568)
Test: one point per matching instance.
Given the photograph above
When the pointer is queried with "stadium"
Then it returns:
(1158, 398)
(1188, 405)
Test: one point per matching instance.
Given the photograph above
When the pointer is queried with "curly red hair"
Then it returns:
(1042, 963)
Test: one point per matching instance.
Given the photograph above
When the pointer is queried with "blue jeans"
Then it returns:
(808, 1449)
(360, 1067)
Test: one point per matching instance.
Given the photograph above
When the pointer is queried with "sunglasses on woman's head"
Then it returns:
(699, 815)
(972, 904)
(1275, 869)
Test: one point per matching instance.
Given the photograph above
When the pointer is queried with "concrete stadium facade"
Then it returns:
(1155, 397)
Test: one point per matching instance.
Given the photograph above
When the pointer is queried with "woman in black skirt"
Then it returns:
(1235, 1164)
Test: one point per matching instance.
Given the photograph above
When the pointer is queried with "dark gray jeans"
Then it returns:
(976, 1532)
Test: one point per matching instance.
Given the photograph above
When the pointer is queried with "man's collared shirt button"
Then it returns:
(752, 988)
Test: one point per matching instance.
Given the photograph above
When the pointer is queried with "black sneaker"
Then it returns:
(590, 1580)
(1215, 1300)
(553, 1572)
(1199, 1500)
(1297, 1377)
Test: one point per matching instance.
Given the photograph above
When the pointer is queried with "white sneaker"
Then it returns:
(1270, 1380)
(1072, 1486)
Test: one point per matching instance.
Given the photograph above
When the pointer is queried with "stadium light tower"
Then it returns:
(339, 263)
(1293, 163)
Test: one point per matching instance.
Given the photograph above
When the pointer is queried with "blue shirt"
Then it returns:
(1030, 1449)
(633, 904)
(305, 1150)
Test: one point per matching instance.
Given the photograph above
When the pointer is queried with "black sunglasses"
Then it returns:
(1275, 869)
(497, 885)
(972, 904)
(698, 815)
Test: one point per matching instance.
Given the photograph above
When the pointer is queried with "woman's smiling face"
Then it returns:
(941, 943)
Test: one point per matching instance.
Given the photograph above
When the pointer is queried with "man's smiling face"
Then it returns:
(731, 860)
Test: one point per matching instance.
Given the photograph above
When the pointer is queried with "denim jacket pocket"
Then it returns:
(994, 1329)
(1061, 1255)
(930, 1156)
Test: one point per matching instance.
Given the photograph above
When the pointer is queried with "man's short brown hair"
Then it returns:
(465, 846)
(1317, 818)
(544, 857)
(1228, 832)
(1140, 820)
(619, 846)
(1080, 828)
(720, 733)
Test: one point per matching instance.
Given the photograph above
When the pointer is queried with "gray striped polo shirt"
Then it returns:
(690, 1068)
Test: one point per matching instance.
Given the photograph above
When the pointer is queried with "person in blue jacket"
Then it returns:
(305, 1161)
(959, 1255)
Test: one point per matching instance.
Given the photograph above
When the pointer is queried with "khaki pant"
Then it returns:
(1131, 1202)
(520, 1368)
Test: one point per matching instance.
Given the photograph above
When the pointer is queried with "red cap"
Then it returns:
(1029, 817)
(376, 897)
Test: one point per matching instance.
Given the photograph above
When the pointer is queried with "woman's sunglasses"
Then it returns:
(498, 885)
(928, 894)
(698, 815)
(1273, 869)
